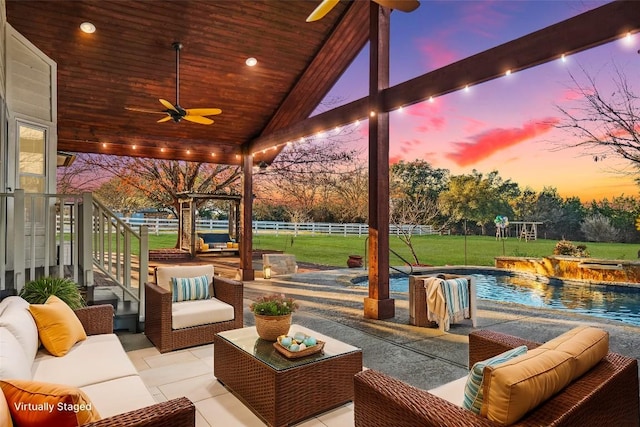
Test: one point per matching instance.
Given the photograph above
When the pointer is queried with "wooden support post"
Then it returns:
(246, 230)
(378, 305)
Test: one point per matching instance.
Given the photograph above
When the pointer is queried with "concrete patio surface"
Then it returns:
(331, 305)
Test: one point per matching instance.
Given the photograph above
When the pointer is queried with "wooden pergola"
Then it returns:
(129, 62)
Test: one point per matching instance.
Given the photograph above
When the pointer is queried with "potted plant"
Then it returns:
(37, 291)
(273, 315)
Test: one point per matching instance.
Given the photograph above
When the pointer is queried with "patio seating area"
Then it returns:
(422, 357)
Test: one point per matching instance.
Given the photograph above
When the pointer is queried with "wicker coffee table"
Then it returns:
(284, 391)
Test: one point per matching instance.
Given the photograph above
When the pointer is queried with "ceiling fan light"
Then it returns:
(88, 27)
(251, 62)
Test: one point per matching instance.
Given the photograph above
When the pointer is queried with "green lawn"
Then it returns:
(435, 250)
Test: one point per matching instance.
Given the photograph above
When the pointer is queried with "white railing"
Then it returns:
(66, 236)
(163, 225)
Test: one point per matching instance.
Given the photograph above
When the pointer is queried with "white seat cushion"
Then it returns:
(19, 321)
(119, 396)
(452, 391)
(96, 359)
(199, 312)
(13, 362)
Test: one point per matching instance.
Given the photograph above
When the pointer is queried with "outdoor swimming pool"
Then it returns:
(608, 302)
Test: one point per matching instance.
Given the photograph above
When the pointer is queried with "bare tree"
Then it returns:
(79, 177)
(163, 181)
(604, 124)
(307, 178)
(409, 213)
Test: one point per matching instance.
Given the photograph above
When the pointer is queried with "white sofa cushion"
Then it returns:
(19, 321)
(96, 359)
(119, 395)
(165, 273)
(13, 362)
(452, 391)
(200, 312)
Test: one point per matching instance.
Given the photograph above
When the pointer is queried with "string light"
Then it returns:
(213, 154)
(431, 99)
(508, 73)
(563, 58)
(133, 147)
(372, 114)
(104, 145)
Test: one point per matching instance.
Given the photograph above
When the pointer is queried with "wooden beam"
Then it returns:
(590, 29)
(246, 225)
(378, 305)
(585, 31)
(337, 53)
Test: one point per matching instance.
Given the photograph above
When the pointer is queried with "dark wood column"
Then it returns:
(246, 225)
(378, 305)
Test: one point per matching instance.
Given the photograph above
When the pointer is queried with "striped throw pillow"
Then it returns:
(473, 390)
(189, 288)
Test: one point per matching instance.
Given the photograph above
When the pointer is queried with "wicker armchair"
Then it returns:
(158, 312)
(606, 395)
(179, 412)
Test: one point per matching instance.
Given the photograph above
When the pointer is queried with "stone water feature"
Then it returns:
(594, 270)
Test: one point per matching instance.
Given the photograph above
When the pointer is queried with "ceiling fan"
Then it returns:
(326, 5)
(176, 112)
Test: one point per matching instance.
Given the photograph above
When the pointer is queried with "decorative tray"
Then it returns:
(297, 354)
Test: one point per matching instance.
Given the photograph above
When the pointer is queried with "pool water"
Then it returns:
(608, 302)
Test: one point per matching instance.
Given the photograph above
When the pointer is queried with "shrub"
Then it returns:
(565, 247)
(598, 228)
(37, 291)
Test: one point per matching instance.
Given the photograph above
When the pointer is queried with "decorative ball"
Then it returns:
(302, 346)
(286, 341)
(294, 348)
(299, 336)
(310, 341)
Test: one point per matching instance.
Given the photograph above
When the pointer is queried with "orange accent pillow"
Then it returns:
(5, 414)
(58, 326)
(37, 404)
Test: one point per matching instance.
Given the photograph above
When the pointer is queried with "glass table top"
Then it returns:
(248, 341)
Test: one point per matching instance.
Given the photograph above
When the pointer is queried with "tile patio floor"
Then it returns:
(423, 357)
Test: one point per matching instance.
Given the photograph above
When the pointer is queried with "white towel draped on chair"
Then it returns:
(447, 300)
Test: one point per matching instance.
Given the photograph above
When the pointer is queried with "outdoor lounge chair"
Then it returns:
(173, 325)
(605, 395)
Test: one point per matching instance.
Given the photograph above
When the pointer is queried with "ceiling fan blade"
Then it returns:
(199, 119)
(144, 110)
(402, 5)
(203, 111)
(322, 9)
(164, 119)
(168, 105)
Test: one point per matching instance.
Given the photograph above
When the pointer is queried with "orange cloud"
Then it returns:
(492, 141)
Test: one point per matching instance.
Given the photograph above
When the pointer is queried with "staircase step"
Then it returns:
(126, 317)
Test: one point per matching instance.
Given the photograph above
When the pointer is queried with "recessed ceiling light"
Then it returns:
(251, 61)
(88, 27)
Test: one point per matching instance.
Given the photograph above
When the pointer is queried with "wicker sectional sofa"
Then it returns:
(607, 394)
(98, 366)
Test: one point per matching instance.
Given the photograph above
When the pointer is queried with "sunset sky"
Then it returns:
(506, 124)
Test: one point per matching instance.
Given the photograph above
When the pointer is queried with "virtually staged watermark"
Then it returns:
(50, 407)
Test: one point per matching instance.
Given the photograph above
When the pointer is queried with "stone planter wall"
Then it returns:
(568, 268)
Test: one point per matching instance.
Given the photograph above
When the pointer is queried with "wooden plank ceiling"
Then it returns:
(129, 62)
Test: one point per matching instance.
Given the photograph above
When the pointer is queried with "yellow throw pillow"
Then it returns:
(58, 326)
(587, 344)
(36, 404)
(516, 386)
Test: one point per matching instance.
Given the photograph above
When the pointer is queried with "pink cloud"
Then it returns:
(487, 143)
(473, 125)
(436, 54)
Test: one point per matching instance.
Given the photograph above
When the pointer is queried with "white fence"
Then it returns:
(158, 226)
